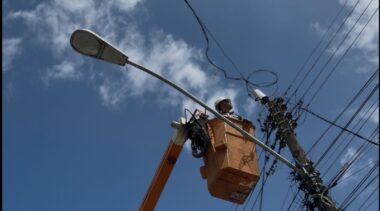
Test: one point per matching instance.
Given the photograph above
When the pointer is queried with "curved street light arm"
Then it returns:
(230, 123)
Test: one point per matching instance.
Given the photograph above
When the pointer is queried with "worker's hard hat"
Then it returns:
(219, 100)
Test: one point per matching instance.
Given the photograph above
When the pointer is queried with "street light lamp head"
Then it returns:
(90, 44)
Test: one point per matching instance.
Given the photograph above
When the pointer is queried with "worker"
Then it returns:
(224, 106)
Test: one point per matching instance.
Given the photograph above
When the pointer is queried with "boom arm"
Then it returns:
(165, 167)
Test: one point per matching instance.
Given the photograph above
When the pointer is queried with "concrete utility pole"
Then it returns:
(310, 182)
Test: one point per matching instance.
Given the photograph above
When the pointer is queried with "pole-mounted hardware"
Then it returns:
(310, 182)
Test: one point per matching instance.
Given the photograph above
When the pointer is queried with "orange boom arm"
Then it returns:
(165, 168)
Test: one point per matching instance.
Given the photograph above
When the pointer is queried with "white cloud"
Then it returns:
(343, 161)
(318, 28)
(357, 170)
(375, 117)
(64, 70)
(54, 22)
(127, 5)
(250, 106)
(348, 156)
(368, 42)
(50, 25)
(113, 92)
(173, 58)
(73, 5)
(11, 48)
(8, 90)
(187, 146)
(370, 113)
(109, 96)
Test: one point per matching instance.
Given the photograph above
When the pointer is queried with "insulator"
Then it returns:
(265, 100)
(288, 115)
(273, 125)
(278, 136)
(294, 124)
(266, 124)
(279, 100)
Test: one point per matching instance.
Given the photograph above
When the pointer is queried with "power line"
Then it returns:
(367, 199)
(372, 202)
(286, 197)
(266, 137)
(336, 50)
(365, 86)
(345, 203)
(347, 124)
(293, 200)
(264, 178)
(366, 187)
(261, 174)
(360, 170)
(264, 181)
(325, 49)
(347, 166)
(341, 58)
(315, 48)
(224, 52)
(348, 143)
(342, 128)
(205, 32)
(367, 83)
(345, 147)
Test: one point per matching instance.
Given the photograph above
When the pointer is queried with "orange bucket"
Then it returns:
(231, 166)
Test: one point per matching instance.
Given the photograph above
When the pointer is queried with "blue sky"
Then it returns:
(82, 134)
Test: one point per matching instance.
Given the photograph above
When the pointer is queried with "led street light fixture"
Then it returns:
(90, 44)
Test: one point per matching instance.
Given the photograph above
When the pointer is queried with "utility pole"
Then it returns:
(310, 182)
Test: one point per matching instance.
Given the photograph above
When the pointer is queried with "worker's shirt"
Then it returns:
(233, 115)
(237, 117)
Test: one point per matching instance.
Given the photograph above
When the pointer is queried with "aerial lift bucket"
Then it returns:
(231, 166)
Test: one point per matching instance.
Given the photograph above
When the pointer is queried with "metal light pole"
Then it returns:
(90, 44)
